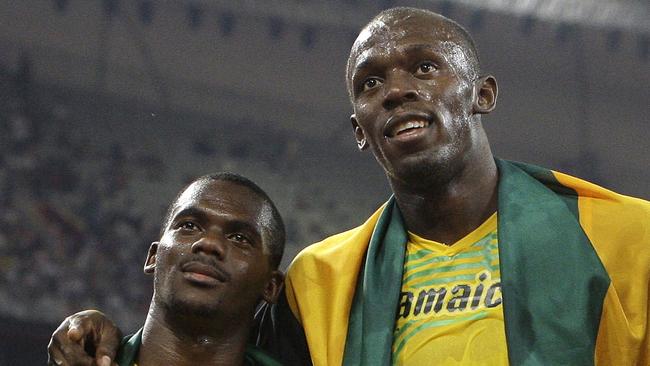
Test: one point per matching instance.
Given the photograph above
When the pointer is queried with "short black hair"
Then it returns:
(275, 229)
(407, 12)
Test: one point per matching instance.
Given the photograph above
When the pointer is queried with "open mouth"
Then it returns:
(406, 124)
(407, 127)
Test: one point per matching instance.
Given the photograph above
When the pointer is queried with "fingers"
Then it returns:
(69, 355)
(54, 355)
(75, 332)
(104, 361)
(107, 341)
(81, 333)
(82, 325)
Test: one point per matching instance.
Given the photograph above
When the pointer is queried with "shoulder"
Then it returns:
(334, 251)
(326, 249)
(601, 203)
(618, 227)
(591, 197)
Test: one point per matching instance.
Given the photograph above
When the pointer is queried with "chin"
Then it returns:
(185, 307)
(425, 170)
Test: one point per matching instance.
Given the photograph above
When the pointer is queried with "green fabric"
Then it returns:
(255, 356)
(553, 283)
(372, 317)
(128, 353)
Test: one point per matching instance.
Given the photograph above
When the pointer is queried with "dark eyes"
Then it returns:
(187, 225)
(240, 238)
(371, 83)
(425, 68)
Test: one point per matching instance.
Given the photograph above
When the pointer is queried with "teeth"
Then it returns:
(409, 125)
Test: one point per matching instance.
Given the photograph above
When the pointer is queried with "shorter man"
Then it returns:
(221, 243)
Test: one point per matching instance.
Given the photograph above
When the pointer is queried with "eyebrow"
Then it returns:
(362, 65)
(370, 60)
(233, 223)
(189, 211)
(420, 47)
(359, 69)
(245, 226)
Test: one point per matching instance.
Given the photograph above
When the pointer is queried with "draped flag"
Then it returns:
(575, 274)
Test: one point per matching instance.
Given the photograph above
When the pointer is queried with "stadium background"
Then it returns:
(108, 107)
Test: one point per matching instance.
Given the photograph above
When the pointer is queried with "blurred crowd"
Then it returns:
(78, 208)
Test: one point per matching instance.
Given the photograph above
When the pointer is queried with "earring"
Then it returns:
(362, 144)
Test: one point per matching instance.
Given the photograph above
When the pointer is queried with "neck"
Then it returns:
(446, 212)
(182, 340)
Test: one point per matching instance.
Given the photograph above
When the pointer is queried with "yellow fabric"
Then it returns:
(619, 229)
(324, 275)
(450, 306)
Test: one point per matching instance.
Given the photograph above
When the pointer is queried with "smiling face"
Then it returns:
(414, 88)
(214, 256)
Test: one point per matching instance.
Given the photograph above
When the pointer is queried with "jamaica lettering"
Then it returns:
(461, 298)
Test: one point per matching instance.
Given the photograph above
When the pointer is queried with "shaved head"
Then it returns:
(391, 23)
(274, 224)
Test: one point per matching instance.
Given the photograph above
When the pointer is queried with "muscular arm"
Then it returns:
(85, 338)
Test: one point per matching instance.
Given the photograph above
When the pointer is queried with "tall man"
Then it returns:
(221, 243)
(474, 260)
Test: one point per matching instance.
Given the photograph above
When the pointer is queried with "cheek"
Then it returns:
(363, 111)
(167, 254)
(426, 94)
(459, 100)
(242, 268)
(249, 270)
(369, 120)
(166, 259)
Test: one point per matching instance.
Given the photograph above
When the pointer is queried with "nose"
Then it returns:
(401, 89)
(211, 244)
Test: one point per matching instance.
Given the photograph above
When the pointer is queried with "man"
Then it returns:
(474, 260)
(221, 243)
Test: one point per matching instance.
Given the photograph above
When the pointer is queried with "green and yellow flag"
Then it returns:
(575, 276)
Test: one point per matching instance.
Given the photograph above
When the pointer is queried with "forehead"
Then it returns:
(392, 29)
(225, 198)
(385, 36)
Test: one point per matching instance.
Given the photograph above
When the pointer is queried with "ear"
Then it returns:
(485, 94)
(362, 144)
(273, 287)
(150, 262)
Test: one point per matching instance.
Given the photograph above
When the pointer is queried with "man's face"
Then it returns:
(412, 91)
(213, 256)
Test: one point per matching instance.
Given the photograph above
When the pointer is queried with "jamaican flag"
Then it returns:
(575, 275)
